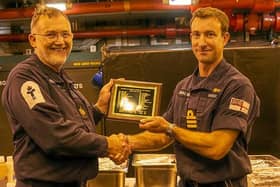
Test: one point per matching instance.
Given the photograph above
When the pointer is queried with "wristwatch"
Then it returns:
(169, 130)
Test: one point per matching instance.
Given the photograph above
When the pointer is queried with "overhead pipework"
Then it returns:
(112, 33)
(245, 16)
(59, 4)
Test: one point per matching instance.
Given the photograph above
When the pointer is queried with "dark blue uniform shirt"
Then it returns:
(224, 100)
(53, 125)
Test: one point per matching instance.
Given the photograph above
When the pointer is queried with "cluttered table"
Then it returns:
(162, 167)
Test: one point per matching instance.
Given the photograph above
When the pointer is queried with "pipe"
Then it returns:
(253, 5)
(263, 6)
(98, 8)
(268, 22)
(277, 3)
(277, 23)
(237, 22)
(144, 5)
(253, 24)
(13, 37)
(16, 13)
(169, 32)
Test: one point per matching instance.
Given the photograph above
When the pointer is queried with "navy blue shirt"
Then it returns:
(53, 125)
(224, 100)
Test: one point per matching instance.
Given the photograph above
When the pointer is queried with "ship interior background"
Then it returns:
(147, 40)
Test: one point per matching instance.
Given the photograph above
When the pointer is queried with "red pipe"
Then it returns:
(253, 5)
(13, 37)
(230, 4)
(277, 22)
(15, 13)
(263, 6)
(277, 4)
(253, 24)
(155, 5)
(268, 22)
(169, 32)
(237, 22)
(144, 5)
(97, 8)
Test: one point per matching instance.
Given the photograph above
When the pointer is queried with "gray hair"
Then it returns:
(45, 11)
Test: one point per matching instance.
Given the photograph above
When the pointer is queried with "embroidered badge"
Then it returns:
(183, 93)
(216, 90)
(82, 111)
(211, 95)
(239, 105)
(31, 93)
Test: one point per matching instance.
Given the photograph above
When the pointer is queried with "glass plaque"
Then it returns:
(134, 100)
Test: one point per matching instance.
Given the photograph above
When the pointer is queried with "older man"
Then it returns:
(53, 124)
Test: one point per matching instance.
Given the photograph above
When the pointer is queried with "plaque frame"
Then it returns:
(138, 90)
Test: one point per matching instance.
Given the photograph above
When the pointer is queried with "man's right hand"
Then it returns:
(118, 148)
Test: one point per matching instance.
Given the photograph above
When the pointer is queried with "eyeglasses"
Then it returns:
(54, 35)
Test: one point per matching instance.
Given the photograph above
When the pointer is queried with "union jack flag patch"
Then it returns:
(239, 105)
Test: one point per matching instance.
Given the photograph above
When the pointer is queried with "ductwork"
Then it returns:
(168, 32)
(126, 6)
(255, 22)
(261, 15)
(252, 5)
(98, 8)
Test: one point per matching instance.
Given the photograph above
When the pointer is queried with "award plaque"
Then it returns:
(134, 100)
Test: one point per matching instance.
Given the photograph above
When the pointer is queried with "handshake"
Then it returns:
(118, 148)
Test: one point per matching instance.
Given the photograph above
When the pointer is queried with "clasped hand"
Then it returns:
(118, 148)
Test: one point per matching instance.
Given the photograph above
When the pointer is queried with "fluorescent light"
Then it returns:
(180, 2)
(60, 6)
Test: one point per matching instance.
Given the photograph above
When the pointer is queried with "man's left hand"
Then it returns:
(104, 97)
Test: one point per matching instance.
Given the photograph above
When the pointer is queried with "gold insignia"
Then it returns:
(191, 119)
(82, 111)
(31, 93)
(216, 90)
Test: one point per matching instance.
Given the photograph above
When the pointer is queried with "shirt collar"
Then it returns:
(216, 75)
(51, 75)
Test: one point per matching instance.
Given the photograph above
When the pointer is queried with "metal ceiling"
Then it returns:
(4, 4)
(122, 17)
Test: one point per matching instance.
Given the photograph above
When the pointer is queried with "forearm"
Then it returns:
(214, 145)
(147, 141)
(196, 141)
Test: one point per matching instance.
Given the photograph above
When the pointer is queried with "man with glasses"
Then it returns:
(210, 115)
(53, 125)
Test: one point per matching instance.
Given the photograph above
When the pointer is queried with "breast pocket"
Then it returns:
(205, 104)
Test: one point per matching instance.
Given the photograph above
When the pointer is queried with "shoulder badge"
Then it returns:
(239, 105)
(31, 93)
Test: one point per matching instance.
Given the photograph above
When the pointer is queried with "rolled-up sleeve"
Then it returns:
(236, 110)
